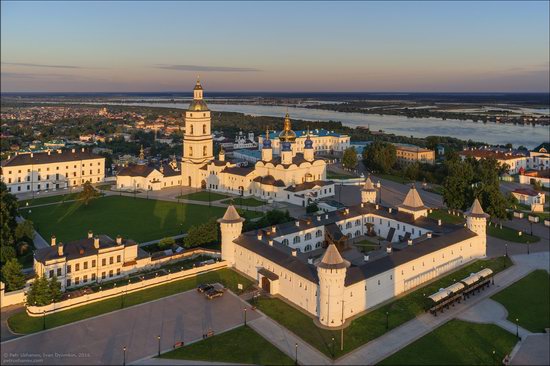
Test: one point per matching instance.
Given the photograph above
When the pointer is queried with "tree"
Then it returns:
(54, 286)
(166, 243)
(39, 294)
(12, 275)
(312, 207)
(24, 229)
(88, 193)
(8, 213)
(349, 160)
(380, 156)
(202, 234)
(457, 192)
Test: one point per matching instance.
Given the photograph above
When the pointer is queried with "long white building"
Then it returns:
(51, 170)
(310, 263)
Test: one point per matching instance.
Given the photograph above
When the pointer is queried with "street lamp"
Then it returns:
(244, 316)
(44, 320)
(387, 320)
(296, 354)
(124, 359)
(494, 352)
(517, 327)
(158, 338)
(332, 347)
(506, 249)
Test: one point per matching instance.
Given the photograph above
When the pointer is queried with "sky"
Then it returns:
(140, 46)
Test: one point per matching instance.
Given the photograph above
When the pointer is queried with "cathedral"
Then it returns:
(292, 176)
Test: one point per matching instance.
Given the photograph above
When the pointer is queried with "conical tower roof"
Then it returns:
(231, 216)
(476, 210)
(413, 200)
(368, 186)
(332, 259)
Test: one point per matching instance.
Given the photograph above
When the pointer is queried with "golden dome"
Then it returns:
(198, 105)
(287, 135)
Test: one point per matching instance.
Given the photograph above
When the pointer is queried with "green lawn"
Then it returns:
(251, 202)
(136, 218)
(373, 324)
(457, 343)
(333, 175)
(529, 301)
(446, 217)
(48, 199)
(240, 346)
(203, 196)
(509, 234)
(22, 323)
(395, 178)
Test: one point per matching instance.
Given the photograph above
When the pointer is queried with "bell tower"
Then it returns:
(197, 139)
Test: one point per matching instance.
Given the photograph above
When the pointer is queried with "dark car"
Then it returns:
(203, 287)
(213, 293)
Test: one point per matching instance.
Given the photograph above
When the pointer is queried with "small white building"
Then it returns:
(530, 197)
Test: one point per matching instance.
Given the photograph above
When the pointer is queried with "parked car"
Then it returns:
(213, 293)
(204, 287)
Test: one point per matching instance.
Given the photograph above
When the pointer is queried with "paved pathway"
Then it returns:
(286, 341)
(5, 331)
(384, 346)
(165, 361)
(100, 340)
(533, 350)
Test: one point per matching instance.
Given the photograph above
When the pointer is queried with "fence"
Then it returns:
(67, 304)
(12, 297)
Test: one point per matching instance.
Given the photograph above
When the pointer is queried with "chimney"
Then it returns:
(346, 211)
(410, 242)
(439, 222)
(388, 249)
(429, 235)
(60, 249)
(32, 155)
(389, 210)
(318, 218)
(119, 240)
(310, 260)
(376, 206)
(326, 216)
(53, 240)
(294, 252)
(96, 242)
(362, 205)
(273, 228)
(297, 223)
(90, 234)
(270, 242)
(366, 257)
(73, 151)
(259, 235)
(82, 149)
(49, 152)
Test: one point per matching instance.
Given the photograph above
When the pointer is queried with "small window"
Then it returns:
(77, 267)
(59, 272)
(104, 262)
(118, 258)
(51, 273)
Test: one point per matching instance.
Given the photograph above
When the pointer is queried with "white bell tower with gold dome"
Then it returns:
(197, 139)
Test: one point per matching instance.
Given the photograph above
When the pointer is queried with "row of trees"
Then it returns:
(380, 156)
(44, 291)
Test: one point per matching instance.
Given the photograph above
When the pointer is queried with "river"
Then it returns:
(492, 133)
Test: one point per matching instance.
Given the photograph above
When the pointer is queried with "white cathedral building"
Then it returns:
(311, 263)
(293, 176)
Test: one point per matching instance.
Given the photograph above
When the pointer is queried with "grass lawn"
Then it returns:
(333, 175)
(457, 343)
(534, 291)
(373, 324)
(446, 217)
(203, 196)
(136, 218)
(48, 199)
(509, 234)
(251, 202)
(395, 178)
(22, 323)
(240, 346)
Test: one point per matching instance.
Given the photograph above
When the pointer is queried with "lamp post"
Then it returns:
(158, 338)
(517, 327)
(296, 354)
(528, 248)
(244, 310)
(387, 320)
(506, 249)
(494, 352)
(332, 347)
(124, 356)
(44, 320)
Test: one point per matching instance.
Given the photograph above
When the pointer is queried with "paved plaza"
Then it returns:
(100, 340)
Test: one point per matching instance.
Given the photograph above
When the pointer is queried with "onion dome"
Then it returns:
(285, 146)
(308, 144)
(267, 142)
(287, 134)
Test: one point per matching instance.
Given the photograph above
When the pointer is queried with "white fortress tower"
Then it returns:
(332, 274)
(197, 139)
(476, 220)
(231, 226)
(368, 192)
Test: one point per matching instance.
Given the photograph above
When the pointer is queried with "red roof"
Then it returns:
(526, 191)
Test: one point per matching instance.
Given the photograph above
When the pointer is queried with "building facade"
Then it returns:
(323, 141)
(407, 154)
(311, 264)
(51, 170)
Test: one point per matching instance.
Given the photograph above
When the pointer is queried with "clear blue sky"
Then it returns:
(275, 46)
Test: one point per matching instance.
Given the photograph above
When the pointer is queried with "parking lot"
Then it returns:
(179, 318)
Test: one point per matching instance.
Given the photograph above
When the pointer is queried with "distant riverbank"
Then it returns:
(491, 133)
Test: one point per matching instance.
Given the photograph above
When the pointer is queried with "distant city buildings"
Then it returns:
(54, 169)
(324, 141)
(407, 154)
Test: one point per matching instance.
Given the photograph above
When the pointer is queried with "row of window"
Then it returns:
(39, 178)
(93, 277)
(56, 168)
(47, 185)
